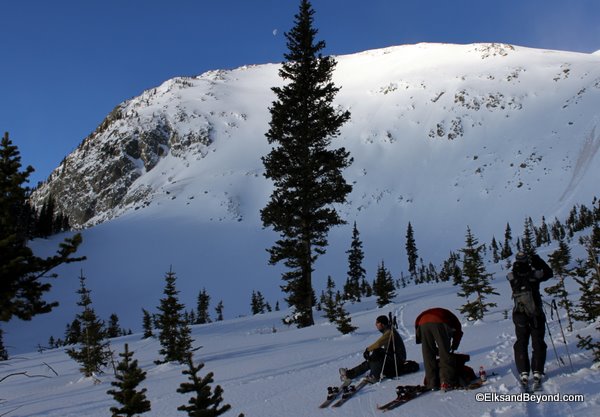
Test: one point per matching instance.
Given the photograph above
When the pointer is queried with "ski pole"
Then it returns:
(387, 349)
(555, 307)
(558, 358)
(394, 327)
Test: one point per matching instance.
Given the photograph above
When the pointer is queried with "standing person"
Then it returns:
(387, 354)
(439, 332)
(528, 315)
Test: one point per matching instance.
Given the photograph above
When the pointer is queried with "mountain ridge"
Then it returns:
(397, 96)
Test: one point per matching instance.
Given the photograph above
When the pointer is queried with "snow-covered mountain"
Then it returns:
(442, 136)
(481, 123)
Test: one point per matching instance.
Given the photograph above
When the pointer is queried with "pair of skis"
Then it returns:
(346, 390)
(406, 393)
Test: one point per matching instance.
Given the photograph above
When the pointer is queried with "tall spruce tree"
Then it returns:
(93, 351)
(202, 314)
(528, 240)
(206, 402)
(506, 251)
(328, 300)
(589, 281)
(257, 303)
(559, 262)
(411, 251)
(356, 272)
(174, 333)
(219, 310)
(475, 281)
(114, 328)
(147, 325)
(23, 274)
(383, 286)
(306, 174)
(128, 377)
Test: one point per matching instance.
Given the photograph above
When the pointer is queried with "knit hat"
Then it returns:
(383, 320)
(521, 257)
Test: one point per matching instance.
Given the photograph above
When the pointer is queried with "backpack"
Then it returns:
(464, 373)
(522, 295)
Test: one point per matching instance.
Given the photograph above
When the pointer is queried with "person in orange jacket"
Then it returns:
(439, 332)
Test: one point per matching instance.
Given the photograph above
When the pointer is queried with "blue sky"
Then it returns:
(65, 64)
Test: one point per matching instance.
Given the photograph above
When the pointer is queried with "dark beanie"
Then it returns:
(383, 320)
(521, 257)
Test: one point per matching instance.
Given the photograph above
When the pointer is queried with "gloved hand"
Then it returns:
(366, 354)
(536, 261)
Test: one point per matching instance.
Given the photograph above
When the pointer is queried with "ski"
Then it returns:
(333, 393)
(405, 394)
(349, 392)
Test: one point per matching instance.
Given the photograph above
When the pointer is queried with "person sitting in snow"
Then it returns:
(386, 357)
(439, 332)
(528, 315)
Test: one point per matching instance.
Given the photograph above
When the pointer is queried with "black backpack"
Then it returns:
(520, 282)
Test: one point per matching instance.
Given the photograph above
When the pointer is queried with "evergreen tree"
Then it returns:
(203, 316)
(128, 377)
(589, 282)
(113, 329)
(366, 289)
(73, 332)
(411, 250)
(451, 269)
(174, 333)
(559, 262)
(475, 281)
(93, 351)
(507, 247)
(147, 325)
(3, 352)
(342, 318)
(328, 301)
(356, 272)
(527, 242)
(543, 235)
(23, 274)
(495, 250)
(307, 176)
(257, 304)
(558, 230)
(219, 310)
(589, 278)
(45, 225)
(383, 286)
(205, 403)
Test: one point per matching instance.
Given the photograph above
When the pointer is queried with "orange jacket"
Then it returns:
(440, 315)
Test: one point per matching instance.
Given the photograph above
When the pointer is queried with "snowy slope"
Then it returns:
(285, 373)
(443, 136)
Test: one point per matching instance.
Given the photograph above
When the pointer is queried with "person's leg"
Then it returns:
(447, 361)
(521, 346)
(538, 345)
(429, 350)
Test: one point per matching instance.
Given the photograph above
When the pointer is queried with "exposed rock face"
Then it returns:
(97, 177)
